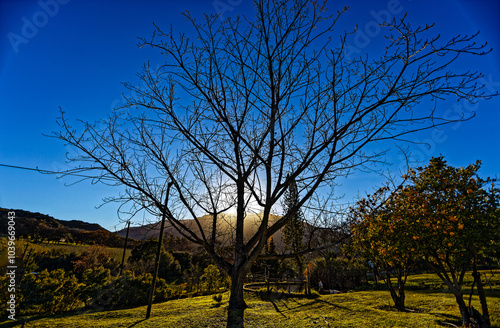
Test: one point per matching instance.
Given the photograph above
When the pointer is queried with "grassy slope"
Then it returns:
(115, 252)
(431, 308)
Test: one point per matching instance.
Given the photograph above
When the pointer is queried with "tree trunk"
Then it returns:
(300, 267)
(482, 297)
(402, 297)
(124, 248)
(237, 305)
(464, 311)
(399, 300)
(375, 273)
(158, 253)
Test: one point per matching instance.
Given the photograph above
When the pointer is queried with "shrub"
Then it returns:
(337, 272)
(212, 278)
(96, 283)
(54, 259)
(49, 292)
(217, 299)
(143, 257)
(95, 256)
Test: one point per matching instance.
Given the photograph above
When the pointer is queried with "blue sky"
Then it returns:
(75, 54)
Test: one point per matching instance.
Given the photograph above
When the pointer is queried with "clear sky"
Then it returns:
(74, 54)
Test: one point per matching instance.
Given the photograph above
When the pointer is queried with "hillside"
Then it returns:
(225, 225)
(38, 226)
(25, 216)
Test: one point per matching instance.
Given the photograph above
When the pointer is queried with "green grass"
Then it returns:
(67, 248)
(432, 307)
(115, 252)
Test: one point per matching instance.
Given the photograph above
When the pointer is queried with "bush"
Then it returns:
(217, 299)
(49, 292)
(212, 278)
(96, 282)
(143, 256)
(130, 290)
(337, 273)
(54, 259)
(95, 256)
(185, 259)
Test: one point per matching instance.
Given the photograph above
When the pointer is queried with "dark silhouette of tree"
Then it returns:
(379, 235)
(271, 247)
(243, 108)
(293, 232)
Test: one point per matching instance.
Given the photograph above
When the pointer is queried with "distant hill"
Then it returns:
(43, 227)
(225, 225)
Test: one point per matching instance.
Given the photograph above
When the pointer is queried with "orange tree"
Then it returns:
(379, 234)
(454, 218)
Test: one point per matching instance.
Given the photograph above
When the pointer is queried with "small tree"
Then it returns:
(212, 277)
(444, 216)
(271, 249)
(452, 218)
(379, 233)
(95, 282)
(142, 259)
(273, 264)
(293, 232)
(94, 256)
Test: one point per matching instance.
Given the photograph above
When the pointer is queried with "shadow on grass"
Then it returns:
(81, 311)
(20, 322)
(332, 304)
(451, 320)
(135, 324)
(392, 308)
(11, 323)
(490, 291)
(280, 302)
(277, 308)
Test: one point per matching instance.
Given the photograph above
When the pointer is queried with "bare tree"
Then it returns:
(244, 107)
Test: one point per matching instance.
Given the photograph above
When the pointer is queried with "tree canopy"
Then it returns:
(444, 215)
(241, 107)
(380, 235)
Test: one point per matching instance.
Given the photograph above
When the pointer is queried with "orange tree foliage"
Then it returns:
(453, 216)
(379, 234)
(450, 213)
(444, 215)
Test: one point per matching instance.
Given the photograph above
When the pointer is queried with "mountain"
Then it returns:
(225, 226)
(41, 227)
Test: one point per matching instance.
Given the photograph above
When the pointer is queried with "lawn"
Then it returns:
(429, 304)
